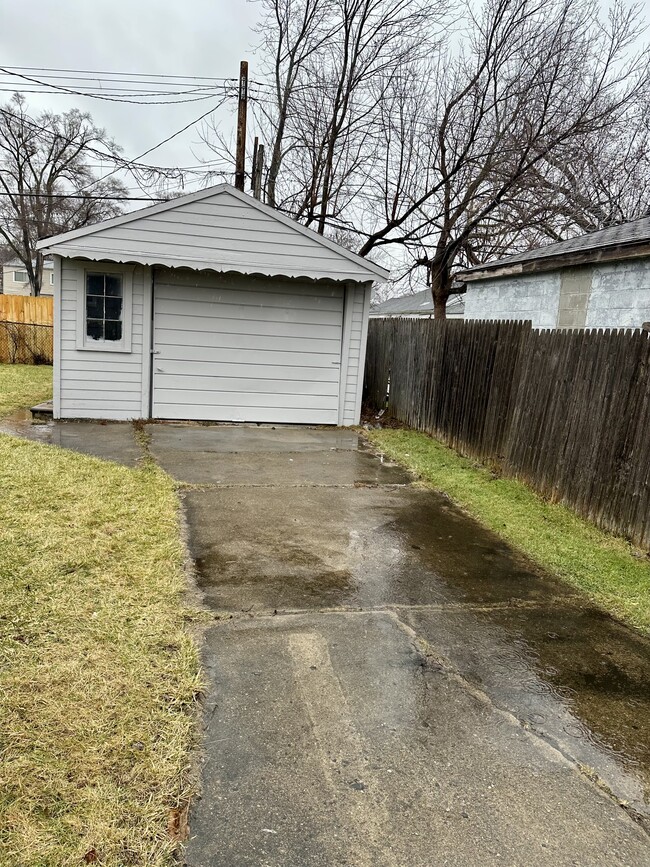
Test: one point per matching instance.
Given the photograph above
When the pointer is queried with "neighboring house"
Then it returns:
(16, 282)
(416, 304)
(212, 307)
(599, 280)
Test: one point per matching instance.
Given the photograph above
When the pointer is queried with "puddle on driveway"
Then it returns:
(21, 424)
(545, 653)
(472, 563)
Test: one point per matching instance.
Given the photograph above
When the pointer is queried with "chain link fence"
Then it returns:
(23, 343)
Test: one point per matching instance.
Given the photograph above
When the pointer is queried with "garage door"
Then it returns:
(246, 350)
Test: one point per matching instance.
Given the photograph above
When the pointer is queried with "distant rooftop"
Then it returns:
(604, 243)
(416, 303)
(47, 263)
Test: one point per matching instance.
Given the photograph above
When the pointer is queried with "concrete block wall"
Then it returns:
(534, 297)
(575, 289)
(620, 295)
(615, 295)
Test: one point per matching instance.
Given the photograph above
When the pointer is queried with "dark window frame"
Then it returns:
(104, 298)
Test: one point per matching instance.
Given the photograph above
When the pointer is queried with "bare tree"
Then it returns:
(453, 142)
(533, 82)
(43, 172)
(330, 65)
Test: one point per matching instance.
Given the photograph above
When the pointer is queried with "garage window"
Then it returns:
(104, 320)
(104, 299)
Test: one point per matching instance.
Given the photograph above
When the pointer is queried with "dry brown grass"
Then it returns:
(99, 675)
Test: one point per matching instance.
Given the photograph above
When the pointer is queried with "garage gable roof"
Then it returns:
(219, 228)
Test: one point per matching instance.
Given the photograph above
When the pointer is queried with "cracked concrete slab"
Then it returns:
(112, 441)
(407, 711)
(567, 671)
(466, 708)
(319, 547)
(241, 438)
(278, 468)
(332, 740)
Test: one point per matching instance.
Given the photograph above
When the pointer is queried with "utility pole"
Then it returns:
(240, 160)
(254, 163)
(259, 167)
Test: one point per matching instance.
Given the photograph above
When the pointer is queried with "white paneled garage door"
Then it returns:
(246, 349)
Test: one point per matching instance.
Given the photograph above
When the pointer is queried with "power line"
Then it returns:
(138, 90)
(156, 146)
(122, 163)
(85, 198)
(132, 74)
(73, 92)
(108, 95)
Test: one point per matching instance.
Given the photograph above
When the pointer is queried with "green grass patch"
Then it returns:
(608, 569)
(98, 673)
(23, 385)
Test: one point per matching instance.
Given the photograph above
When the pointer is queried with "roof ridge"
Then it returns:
(216, 190)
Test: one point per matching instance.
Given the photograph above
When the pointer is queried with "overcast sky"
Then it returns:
(180, 37)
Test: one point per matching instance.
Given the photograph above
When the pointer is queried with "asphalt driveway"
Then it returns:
(389, 684)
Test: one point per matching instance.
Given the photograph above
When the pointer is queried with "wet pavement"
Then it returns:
(113, 441)
(389, 683)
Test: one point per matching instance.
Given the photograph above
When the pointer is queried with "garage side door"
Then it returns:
(246, 350)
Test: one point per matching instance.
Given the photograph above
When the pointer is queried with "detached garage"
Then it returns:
(210, 307)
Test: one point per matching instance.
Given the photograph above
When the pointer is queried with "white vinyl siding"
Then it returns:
(224, 231)
(246, 349)
(98, 384)
(358, 298)
(276, 358)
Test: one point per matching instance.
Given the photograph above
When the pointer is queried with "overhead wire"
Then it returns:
(75, 92)
(131, 74)
(114, 157)
(156, 146)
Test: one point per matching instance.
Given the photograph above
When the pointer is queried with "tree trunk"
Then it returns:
(440, 287)
(38, 274)
(439, 307)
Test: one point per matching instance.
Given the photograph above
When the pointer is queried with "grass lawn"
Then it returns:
(23, 385)
(610, 571)
(98, 674)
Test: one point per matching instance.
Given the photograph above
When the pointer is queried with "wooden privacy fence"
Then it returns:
(26, 329)
(25, 308)
(567, 411)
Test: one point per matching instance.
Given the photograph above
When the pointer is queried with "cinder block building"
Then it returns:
(598, 280)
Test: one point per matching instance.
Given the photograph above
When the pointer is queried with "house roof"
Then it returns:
(420, 303)
(15, 263)
(219, 228)
(625, 241)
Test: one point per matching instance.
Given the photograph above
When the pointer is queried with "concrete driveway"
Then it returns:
(388, 683)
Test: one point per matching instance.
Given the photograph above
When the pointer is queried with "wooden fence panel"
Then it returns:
(567, 411)
(25, 308)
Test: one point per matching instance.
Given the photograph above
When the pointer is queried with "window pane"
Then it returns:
(114, 286)
(20, 276)
(94, 307)
(113, 330)
(113, 308)
(95, 329)
(95, 284)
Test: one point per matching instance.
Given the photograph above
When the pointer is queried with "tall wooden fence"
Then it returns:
(566, 411)
(25, 308)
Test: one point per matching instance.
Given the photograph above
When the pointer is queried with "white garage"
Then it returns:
(210, 307)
